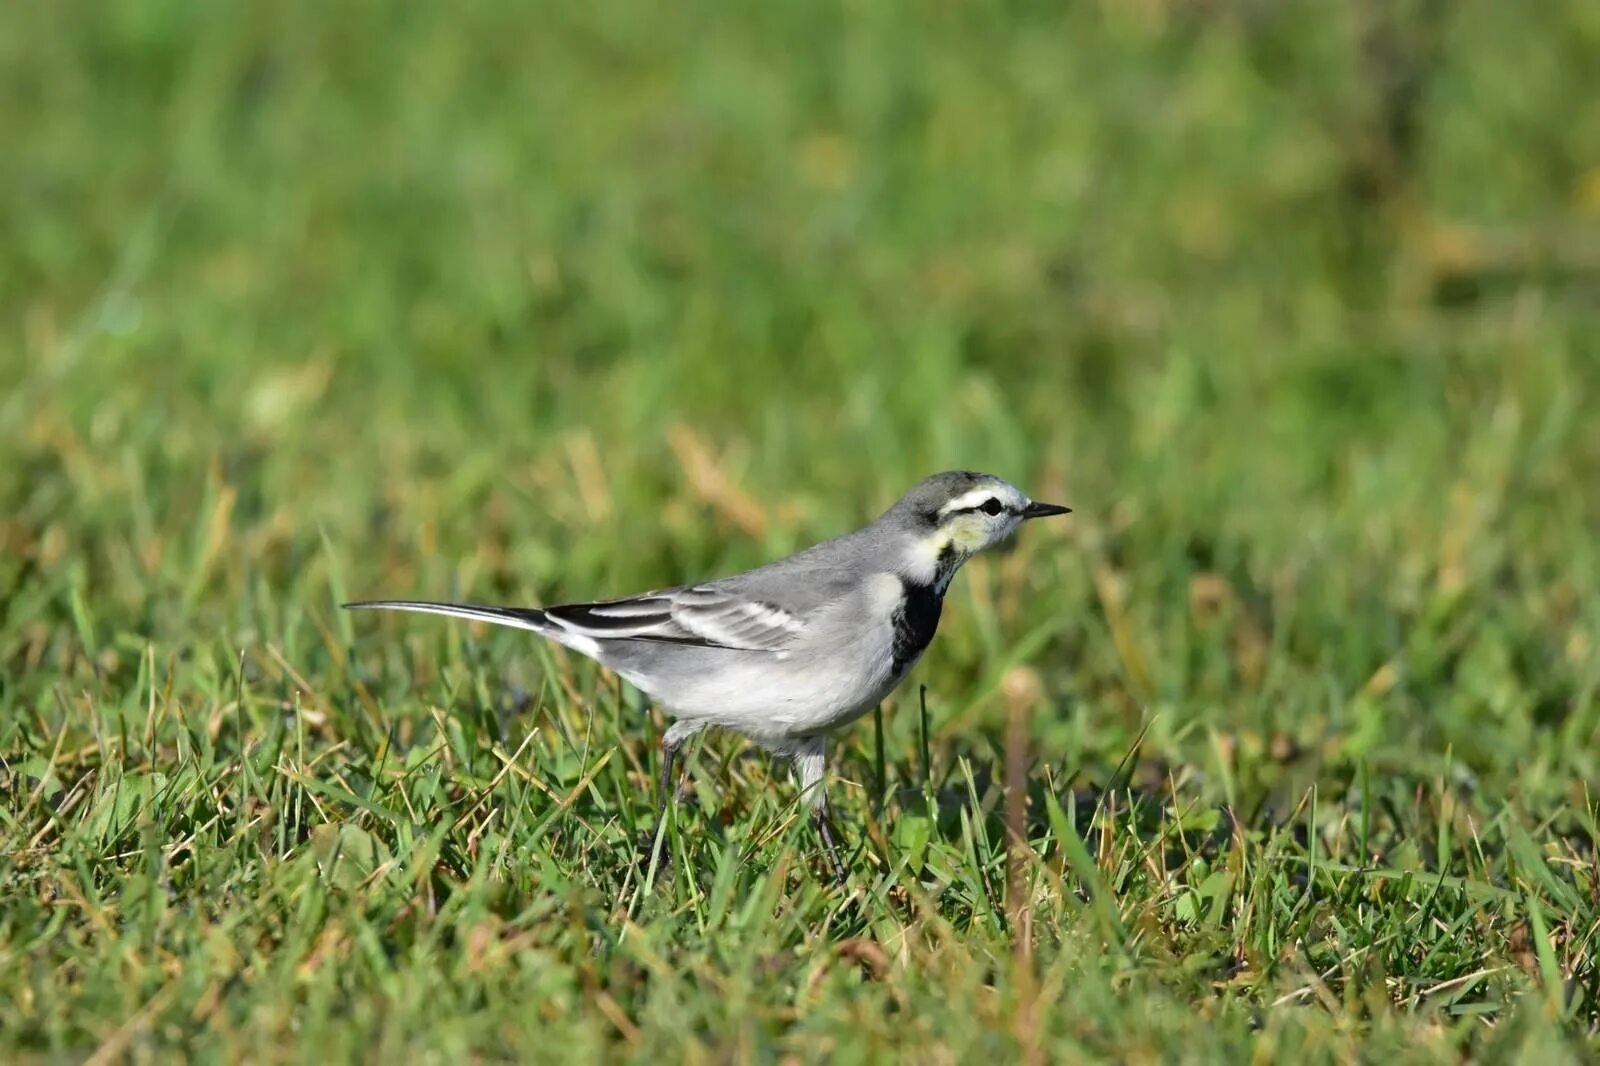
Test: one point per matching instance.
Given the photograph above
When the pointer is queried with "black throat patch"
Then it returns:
(915, 621)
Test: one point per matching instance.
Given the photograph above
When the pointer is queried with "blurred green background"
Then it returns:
(1296, 304)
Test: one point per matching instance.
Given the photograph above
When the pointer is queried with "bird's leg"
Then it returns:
(671, 741)
(668, 787)
(810, 762)
(825, 831)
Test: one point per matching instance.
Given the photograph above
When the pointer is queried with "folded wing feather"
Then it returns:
(697, 615)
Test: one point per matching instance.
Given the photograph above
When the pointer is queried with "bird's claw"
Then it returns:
(648, 855)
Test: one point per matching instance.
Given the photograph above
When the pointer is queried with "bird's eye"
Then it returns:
(991, 506)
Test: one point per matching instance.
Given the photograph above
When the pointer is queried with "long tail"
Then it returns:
(532, 618)
(583, 627)
(535, 619)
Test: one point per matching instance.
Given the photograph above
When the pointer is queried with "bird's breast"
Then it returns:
(914, 622)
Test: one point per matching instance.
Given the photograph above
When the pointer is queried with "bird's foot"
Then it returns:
(653, 850)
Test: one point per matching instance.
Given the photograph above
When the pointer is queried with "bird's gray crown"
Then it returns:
(923, 503)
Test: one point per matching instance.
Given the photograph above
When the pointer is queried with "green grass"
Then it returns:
(1295, 304)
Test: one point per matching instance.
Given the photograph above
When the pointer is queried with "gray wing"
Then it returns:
(762, 610)
(765, 609)
(700, 615)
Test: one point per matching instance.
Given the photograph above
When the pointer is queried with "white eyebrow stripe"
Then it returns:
(971, 499)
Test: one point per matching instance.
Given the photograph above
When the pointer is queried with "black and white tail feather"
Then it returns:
(699, 616)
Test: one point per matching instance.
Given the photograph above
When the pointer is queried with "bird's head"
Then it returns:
(950, 517)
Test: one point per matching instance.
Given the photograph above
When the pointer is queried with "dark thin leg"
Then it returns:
(668, 789)
(825, 830)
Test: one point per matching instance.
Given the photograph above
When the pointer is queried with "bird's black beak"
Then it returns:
(1044, 510)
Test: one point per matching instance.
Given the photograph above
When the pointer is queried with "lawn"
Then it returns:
(1283, 747)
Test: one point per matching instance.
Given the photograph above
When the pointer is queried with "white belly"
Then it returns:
(827, 680)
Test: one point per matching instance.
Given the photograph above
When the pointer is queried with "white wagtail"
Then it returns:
(789, 652)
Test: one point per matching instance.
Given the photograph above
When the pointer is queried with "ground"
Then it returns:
(1278, 748)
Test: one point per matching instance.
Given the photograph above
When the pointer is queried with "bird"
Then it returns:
(792, 651)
